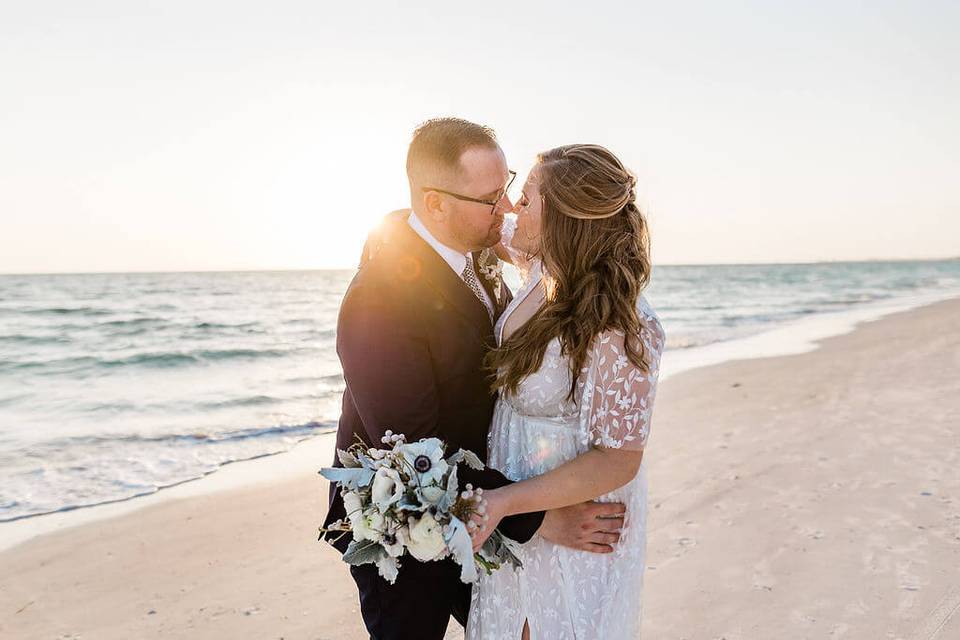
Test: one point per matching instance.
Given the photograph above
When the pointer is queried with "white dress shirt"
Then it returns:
(452, 257)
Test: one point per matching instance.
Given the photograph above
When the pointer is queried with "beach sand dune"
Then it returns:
(808, 496)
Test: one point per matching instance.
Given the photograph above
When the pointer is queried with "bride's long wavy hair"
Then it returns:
(595, 247)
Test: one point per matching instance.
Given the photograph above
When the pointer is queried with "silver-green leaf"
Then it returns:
(352, 479)
(465, 455)
(347, 459)
(363, 552)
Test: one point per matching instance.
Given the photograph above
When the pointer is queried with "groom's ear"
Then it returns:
(433, 206)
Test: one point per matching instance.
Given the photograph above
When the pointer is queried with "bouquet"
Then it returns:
(406, 499)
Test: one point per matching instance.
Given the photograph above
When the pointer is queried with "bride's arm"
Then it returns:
(586, 477)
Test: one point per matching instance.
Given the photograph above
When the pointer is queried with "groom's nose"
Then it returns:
(504, 204)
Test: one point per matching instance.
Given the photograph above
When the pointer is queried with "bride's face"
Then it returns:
(529, 209)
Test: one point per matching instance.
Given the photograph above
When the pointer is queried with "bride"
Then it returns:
(576, 366)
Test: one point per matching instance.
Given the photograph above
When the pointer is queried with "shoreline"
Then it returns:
(798, 336)
(238, 475)
(800, 496)
(791, 338)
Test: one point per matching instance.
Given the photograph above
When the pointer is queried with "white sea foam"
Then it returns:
(796, 336)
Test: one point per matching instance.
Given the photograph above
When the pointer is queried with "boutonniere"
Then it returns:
(492, 270)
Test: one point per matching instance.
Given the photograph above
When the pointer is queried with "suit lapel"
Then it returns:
(419, 259)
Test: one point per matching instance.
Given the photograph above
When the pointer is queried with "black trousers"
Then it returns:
(418, 605)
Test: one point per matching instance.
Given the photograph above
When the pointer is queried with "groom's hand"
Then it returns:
(588, 526)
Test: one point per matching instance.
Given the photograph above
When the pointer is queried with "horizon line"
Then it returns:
(302, 270)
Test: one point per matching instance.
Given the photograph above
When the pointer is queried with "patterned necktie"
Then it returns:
(470, 277)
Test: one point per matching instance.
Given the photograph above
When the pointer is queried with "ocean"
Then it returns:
(118, 385)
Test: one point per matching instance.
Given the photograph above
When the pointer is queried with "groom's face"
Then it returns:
(484, 175)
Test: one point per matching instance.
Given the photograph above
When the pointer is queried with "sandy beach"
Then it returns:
(804, 496)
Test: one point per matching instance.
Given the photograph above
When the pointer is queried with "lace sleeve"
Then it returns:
(616, 397)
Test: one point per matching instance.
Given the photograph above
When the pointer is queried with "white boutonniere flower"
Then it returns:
(492, 270)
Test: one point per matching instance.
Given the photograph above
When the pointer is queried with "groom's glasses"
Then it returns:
(492, 202)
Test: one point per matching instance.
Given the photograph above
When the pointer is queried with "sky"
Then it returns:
(171, 136)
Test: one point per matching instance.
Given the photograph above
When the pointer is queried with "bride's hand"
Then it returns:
(492, 509)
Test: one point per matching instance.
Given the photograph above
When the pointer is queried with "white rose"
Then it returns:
(369, 526)
(352, 505)
(354, 508)
(387, 488)
(426, 539)
(426, 458)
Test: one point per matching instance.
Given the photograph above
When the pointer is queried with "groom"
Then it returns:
(414, 328)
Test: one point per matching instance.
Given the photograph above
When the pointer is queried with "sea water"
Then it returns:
(117, 385)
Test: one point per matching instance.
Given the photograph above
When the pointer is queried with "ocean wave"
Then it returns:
(138, 326)
(224, 325)
(72, 363)
(64, 311)
(132, 322)
(249, 401)
(334, 379)
(72, 442)
(173, 359)
(10, 400)
(28, 339)
(103, 470)
(299, 321)
(159, 359)
(686, 342)
(133, 327)
(322, 337)
(855, 299)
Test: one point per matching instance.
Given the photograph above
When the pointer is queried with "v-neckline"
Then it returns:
(521, 296)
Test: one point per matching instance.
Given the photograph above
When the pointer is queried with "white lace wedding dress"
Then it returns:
(567, 594)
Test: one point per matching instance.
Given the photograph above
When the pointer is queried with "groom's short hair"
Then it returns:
(438, 144)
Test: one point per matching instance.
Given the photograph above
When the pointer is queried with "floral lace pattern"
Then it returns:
(616, 396)
(563, 593)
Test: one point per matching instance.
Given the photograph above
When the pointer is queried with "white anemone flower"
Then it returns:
(426, 458)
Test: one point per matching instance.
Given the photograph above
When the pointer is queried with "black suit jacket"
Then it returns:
(412, 338)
